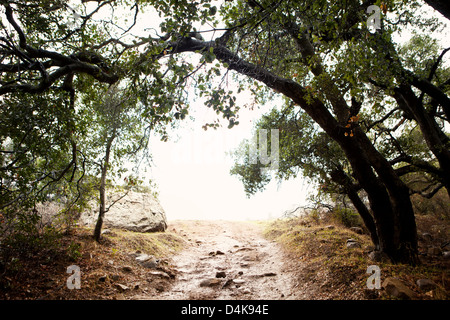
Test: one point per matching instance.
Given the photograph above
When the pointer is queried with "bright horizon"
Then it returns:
(192, 173)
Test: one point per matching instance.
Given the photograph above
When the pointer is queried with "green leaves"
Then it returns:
(303, 149)
(209, 56)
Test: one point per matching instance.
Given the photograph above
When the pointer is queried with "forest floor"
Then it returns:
(298, 258)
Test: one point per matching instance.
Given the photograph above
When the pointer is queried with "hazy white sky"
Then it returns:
(192, 174)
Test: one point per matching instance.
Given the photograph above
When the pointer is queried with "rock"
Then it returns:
(139, 212)
(127, 269)
(352, 243)
(221, 274)
(161, 274)
(210, 282)
(427, 236)
(143, 257)
(238, 281)
(253, 256)
(244, 249)
(115, 277)
(150, 264)
(121, 287)
(227, 283)
(214, 253)
(357, 230)
(147, 261)
(245, 290)
(269, 274)
(396, 288)
(330, 227)
(426, 284)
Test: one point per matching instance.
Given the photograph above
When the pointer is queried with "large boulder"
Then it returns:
(139, 212)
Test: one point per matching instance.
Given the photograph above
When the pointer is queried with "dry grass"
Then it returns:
(104, 267)
(330, 270)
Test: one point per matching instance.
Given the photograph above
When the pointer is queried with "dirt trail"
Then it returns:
(228, 260)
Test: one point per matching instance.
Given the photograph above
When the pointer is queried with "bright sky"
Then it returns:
(193, 180)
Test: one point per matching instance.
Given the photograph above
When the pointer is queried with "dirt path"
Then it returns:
(227, 260)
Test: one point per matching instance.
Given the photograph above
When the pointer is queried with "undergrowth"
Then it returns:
(330, 270)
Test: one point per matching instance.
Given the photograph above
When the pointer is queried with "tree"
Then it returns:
(318, 54)
(293, 48)
(52, 57)
(115, 133)
(48, 60)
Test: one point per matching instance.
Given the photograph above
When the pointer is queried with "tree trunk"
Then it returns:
(435, 139)
(102, 191)
(341, 178)
(443, 6)
(388, 196)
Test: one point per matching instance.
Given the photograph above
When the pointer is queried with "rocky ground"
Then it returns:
(285, 259)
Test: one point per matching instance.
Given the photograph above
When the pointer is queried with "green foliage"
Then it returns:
(303, 149)
(23, 235)
(52, 142)
(346, 216)
(73, 251)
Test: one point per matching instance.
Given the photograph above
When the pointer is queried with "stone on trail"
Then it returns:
(221, 274)
(238, 281)
(210, 282)
(269, 274)
(161, 274)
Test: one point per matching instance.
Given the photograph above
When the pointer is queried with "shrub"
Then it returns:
(346, 216)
